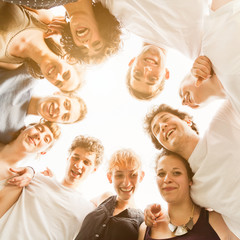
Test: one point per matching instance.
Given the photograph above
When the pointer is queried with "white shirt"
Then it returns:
(176, 24)
(45, 210)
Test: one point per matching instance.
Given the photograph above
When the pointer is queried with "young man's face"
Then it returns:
(148, 70)
(59, 108)
(191, 95)
(81, 163)
(170, 131)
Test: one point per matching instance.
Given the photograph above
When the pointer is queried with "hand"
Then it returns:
(153, 214)
(47, 172)
(25, 175)
(56, 26)
(202, 69)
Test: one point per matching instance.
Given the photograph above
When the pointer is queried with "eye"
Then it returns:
(67, 104)
(58, 84)
(65, 117)
(47, 139)
(134, 175)
(75, 158)
(118, 175)
(177, 173)
(39, 127)
(161, 174)
(87, 163)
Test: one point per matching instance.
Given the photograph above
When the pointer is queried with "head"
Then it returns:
(55, 69)
(168, 127)
(92, 36)
(85, 156)
(125, 172)
(38, 137)
(147, 73)
(62, 108)
(194, 96)
(174, 177)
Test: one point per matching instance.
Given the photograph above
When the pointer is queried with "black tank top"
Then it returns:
(202, 230)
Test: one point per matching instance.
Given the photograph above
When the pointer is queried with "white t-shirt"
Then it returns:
(176, 24)
(220, 44)
(216, 163)
(45, 210)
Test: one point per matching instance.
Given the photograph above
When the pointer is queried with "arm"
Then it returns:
(153, 214)
(142, 230)
(220, 227)
(99, 199)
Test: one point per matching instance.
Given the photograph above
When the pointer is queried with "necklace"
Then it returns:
(182, 229)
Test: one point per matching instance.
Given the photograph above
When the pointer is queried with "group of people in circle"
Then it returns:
(197, 176)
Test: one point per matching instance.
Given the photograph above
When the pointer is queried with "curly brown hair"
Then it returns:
(110, 30)
(139, 95)
(164, 108)
(90, 144)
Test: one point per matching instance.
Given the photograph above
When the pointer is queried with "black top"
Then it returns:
(202, 230)
(40, 4)
(101, 224)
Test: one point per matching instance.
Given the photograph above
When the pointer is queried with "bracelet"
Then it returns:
(32, 171)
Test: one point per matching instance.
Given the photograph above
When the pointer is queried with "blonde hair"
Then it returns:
(124, 158)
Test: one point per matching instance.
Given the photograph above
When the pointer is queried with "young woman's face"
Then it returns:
(172, 179)
(125, 181)
(60, 73)
(36, 138)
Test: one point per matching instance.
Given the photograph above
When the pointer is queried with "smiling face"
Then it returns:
(125, 181)
(85, 33)
(191, 95)
(172, 179)
(59, 108)
(171, 131)
(59, 73)
(80, 164)
(148, 70)
(36, 139)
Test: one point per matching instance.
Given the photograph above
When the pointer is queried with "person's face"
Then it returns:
(85, 33)
(148, 70)
(191, 95)
(59, 108)
(172, 179)
(36, 138)
(80, 164)
(170, 130)
(125, 181)
(59, 73)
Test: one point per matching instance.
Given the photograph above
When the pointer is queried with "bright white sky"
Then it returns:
(116, 118)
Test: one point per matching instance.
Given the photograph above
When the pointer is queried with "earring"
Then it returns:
(42, 153)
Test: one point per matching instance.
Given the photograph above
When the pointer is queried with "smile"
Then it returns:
(128, 190)
(51, 70)
(168, 134)
(31, 140)
(51, 109)
(151, 61)
(76, 174)
(82, 32)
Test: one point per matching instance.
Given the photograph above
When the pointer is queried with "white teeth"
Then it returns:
(82, 33)
(169, 133)
(51, 70)
(126, 189)
(150, 61)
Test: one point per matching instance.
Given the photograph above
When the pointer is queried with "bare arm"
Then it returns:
(142, 230)
(220, 227)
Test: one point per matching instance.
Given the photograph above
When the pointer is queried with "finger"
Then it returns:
(198, 82)
(17, 170)
(199, 73)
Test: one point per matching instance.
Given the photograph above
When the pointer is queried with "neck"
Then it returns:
(180, 213)
(124, 204)
(17, 154)
(191, 142)
(33, 106)
(73, 186)
(216, 88)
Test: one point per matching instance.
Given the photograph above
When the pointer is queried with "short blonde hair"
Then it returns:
(126, 158)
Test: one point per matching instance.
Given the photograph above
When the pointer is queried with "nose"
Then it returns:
(78, 165)
(163, 126)
(126, 181)
(167, 178)
(147, 70)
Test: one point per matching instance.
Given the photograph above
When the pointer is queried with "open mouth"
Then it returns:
(51, 110)
(51, 70)
(169, 133)
(31, 140)
(150, 61)
(66, 75)
(82, 32)
(126, 190)
(76, 174)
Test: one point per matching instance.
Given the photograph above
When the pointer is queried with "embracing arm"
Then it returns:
(220, 227)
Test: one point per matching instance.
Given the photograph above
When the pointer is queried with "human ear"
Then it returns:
(142, 174)
(166, 74)
(109, 176)
(131, 62)
(188, 121)
(43, 153)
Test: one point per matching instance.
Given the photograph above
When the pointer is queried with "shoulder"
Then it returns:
(101, 198)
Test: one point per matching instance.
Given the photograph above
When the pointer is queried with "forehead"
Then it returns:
(75, 109)
(170, 162)
(124, 166)
(84, 154)
(161, 116)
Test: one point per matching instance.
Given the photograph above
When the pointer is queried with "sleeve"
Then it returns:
(40, 4)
